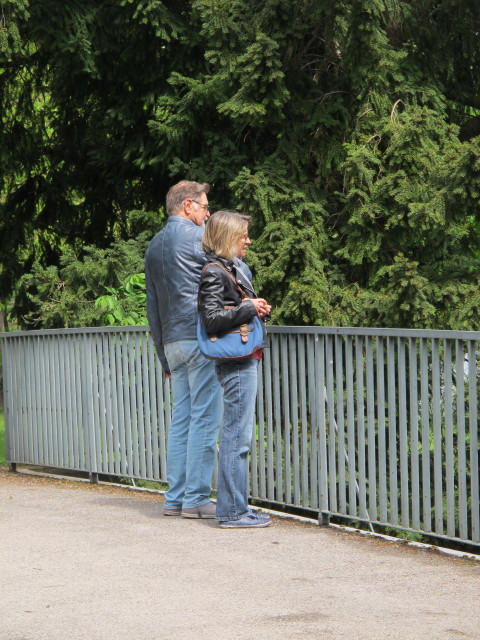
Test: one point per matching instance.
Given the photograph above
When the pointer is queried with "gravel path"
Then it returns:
(91, 562)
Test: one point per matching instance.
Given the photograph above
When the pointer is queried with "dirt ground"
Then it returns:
(81, 561)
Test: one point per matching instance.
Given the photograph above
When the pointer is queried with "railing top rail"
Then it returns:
(284, 329)
(372, 331)
(5, 335)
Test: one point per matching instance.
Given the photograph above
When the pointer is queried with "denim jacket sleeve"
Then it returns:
(154, 320)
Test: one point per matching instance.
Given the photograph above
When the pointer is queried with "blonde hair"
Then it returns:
(183, 190)
(222, 232)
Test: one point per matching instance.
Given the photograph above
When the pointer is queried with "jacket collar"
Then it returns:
(228, 264)
(180, 220)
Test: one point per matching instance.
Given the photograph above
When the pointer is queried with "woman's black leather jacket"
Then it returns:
(217, 291)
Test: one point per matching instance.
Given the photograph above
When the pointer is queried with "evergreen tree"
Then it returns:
(347, 129)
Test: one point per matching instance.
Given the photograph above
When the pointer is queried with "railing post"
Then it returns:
(324, 518)
(88, 392)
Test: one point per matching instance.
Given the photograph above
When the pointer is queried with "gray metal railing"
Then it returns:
(376, 425)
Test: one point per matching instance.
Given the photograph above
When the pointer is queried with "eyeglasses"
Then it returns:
(205, 206)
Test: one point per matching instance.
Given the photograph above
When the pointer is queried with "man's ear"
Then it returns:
(187, 207)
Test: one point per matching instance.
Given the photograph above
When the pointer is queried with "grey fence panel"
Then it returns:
(283, 421)
(392, 431)
(268, 400)
(382, 440)
(277, 423)
(403, 441)
(371, 475)
(437, 437)
(413, 423)
(319, 451)
(340, 424)
(449, 453)
(460, 358)
(309, 417)
(350, 420)
(332, 459)
(473, 419)
(425, 413)
(303, 419)
(377, 425)
(151, 408)
(360, 427)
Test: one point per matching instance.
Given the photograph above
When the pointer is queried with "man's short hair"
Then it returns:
(181, 191)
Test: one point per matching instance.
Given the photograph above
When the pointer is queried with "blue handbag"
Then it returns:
(240, 342)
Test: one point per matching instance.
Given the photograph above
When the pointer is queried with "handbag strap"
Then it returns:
(242, 292)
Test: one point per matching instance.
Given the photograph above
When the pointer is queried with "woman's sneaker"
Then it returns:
(248, 521)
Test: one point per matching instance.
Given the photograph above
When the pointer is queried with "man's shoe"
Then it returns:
(172, 512)
(249, 521)
(207, 510)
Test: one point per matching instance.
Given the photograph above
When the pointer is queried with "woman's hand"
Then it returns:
(262, 306)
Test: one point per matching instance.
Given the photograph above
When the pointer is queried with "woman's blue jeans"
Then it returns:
(196, 417)
(239, 382)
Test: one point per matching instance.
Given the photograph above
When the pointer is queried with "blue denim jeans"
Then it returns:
(196, 417)
(239, 382)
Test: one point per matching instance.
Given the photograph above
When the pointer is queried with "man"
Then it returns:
(173, 263)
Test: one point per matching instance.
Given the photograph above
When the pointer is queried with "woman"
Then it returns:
(222, 308)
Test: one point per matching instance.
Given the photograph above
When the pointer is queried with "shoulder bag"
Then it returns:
(240, 342)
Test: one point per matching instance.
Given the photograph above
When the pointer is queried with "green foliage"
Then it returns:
(348, 130)
(125, 305)
(95, 289)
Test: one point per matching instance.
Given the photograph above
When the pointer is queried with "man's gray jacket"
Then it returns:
(173, 264)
